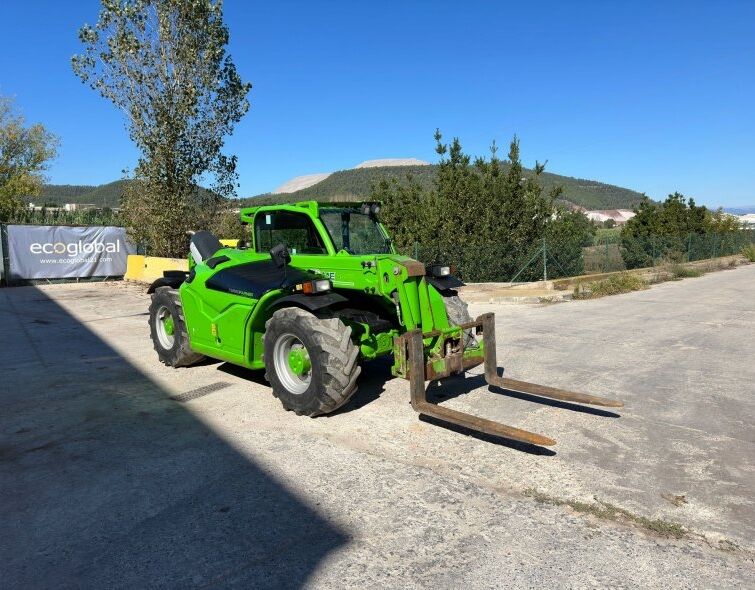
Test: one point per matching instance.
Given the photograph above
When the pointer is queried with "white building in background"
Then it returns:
(747, 220)
(79, 206)
(620, 216)
(66, 207)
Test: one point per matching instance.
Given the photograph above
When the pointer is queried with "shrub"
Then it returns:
(619, 283)
(679, 271)
(749, 252)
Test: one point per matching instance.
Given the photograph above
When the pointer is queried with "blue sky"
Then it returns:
(654, 96)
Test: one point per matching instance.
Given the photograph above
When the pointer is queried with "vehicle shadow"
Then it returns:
(107, 482)
(377, 372)
(255, 376)
(372, 384)
(472, 381)
(515, 445)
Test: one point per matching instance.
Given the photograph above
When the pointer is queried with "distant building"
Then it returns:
(747, 220)
(620, 216)
(69, 207)
(34, 207)
(79, 206)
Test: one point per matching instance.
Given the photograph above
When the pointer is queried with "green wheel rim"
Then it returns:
(165, 328)
(298, 360)
(292, 363)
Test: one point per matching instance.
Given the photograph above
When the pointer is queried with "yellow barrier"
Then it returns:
(146, 269)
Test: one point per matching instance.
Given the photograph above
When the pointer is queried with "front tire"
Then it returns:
(311, 363)
(457, 311)
(167, 328)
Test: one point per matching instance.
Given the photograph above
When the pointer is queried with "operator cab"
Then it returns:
(296, 230)
(349, 229)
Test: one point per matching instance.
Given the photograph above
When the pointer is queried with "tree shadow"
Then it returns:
(107, 482)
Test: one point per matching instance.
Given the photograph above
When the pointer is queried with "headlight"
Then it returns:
(312, 287)
(440, 271)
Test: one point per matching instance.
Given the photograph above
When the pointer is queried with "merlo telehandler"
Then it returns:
(317, 290)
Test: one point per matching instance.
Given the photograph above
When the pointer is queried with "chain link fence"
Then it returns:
(552, 258)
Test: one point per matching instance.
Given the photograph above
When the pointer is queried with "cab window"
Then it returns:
(294, 229)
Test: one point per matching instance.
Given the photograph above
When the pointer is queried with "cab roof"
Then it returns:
(312, 207)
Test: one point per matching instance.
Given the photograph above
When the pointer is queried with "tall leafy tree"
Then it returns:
(164, 64)
(25, 152)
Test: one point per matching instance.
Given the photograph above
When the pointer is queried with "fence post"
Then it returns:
(689, 246)
(4, 263)
(605, 258)
(652, 241)
(713, 255)
(416, 250)
(545, 260)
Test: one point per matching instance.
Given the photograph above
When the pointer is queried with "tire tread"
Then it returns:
(340, 360)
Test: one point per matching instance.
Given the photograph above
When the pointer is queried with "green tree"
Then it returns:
(567, 233)
(484, 216)
(25, 153)
(401, 212)
(164, 64)
(227, 225)
(674, 230)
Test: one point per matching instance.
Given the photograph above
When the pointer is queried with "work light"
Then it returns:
(440, 271)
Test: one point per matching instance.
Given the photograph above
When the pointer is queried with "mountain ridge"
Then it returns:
(355, 184)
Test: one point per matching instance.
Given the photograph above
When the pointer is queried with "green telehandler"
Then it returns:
(318, 289)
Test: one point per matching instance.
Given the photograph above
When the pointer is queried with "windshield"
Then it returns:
(355, 232)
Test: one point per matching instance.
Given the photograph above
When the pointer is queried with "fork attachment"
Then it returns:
(411, 345)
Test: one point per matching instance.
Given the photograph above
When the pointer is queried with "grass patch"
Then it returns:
(607, 511)
(679, 271)
(749, 252)
(619, 283)
(610, 235)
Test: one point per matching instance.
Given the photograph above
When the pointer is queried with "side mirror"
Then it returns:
(370, 209)
(280, 255)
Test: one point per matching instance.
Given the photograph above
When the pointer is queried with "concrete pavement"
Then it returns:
(108, 482)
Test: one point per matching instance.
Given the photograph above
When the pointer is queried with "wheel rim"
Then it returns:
(292, 364)
(165, 328)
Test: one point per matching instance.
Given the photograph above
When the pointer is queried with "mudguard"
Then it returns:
(444, 283)
(171, 278)
(308, 302)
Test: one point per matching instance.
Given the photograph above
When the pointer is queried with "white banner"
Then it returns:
(61, 252)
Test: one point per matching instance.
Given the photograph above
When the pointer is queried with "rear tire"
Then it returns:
(167, 328)
(329, 381)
